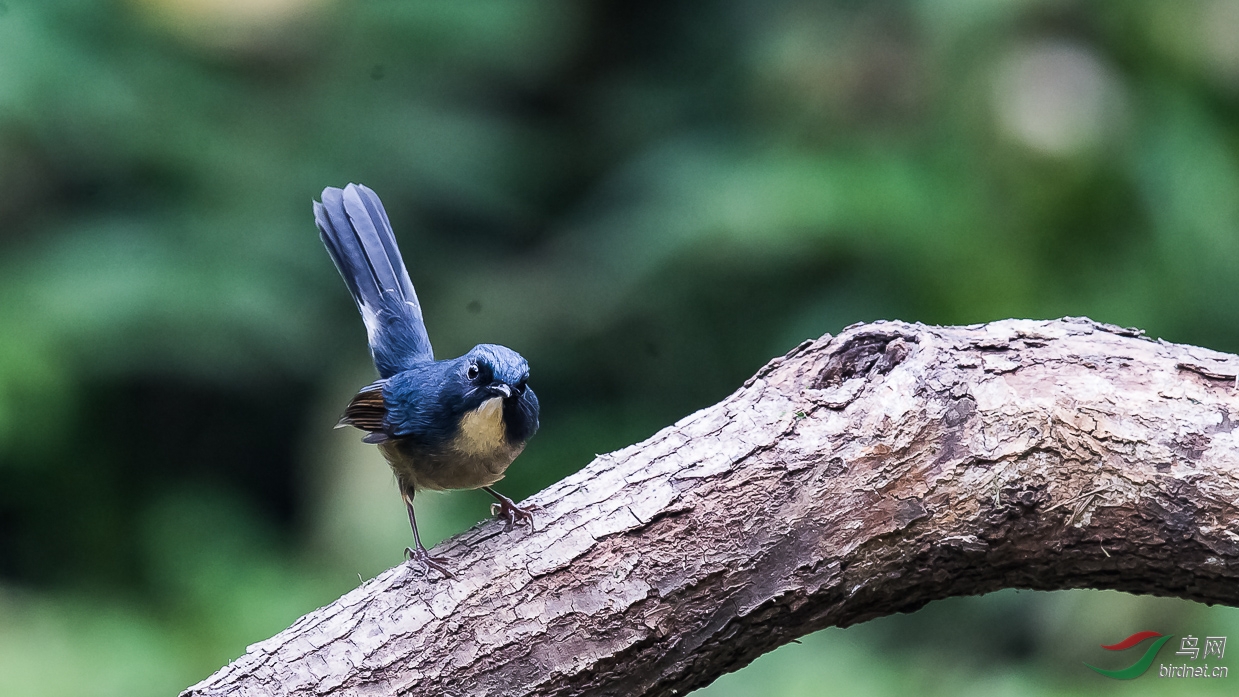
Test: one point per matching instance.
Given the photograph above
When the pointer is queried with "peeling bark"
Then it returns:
(855, 477)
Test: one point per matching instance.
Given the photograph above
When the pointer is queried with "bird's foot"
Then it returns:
(507, 510)
(420, 555)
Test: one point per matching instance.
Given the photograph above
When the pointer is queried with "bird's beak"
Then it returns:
(502, 388)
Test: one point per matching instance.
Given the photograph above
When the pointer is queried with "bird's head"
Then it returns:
(494, 398)
(492, 371)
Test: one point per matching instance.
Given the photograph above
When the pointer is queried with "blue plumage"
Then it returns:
(358, 236)
(450, 424)
(418, 399)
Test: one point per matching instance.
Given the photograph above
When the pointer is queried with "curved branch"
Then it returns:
(855, 477)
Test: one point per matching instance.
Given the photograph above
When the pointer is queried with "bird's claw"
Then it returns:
(419, 554)
(513, 514)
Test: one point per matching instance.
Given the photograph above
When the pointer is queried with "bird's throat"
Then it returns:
(482, 431)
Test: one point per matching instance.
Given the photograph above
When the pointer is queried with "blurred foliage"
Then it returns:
(648, 200)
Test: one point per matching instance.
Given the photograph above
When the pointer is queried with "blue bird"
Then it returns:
(449, 424)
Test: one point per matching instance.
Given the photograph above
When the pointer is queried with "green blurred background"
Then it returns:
(648, 199)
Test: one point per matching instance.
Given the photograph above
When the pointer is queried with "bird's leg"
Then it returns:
(509, 511)
(418, 551)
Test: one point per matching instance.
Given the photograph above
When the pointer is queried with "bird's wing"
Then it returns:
(358, 236)
(368, 411)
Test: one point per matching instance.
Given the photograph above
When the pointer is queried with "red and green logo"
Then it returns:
(1138, 668)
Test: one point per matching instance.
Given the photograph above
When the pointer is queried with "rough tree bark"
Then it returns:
(855, 477)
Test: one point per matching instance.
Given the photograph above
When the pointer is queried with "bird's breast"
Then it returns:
(482, 431)
(478, 455)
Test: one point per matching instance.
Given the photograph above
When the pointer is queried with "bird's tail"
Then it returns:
(358, 236)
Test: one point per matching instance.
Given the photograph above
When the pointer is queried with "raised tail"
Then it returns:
(358, 236)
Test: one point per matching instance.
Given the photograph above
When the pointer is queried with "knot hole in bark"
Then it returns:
(865, 354)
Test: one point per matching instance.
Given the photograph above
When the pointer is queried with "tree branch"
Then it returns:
(853, 478)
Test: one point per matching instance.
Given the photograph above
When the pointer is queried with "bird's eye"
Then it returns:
(472, 373)
(520, 387)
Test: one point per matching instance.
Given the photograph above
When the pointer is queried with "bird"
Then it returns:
(446, 424)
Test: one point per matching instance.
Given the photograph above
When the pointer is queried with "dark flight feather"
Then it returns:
(368, 410)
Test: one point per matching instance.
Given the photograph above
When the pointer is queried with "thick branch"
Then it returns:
(855, 477)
